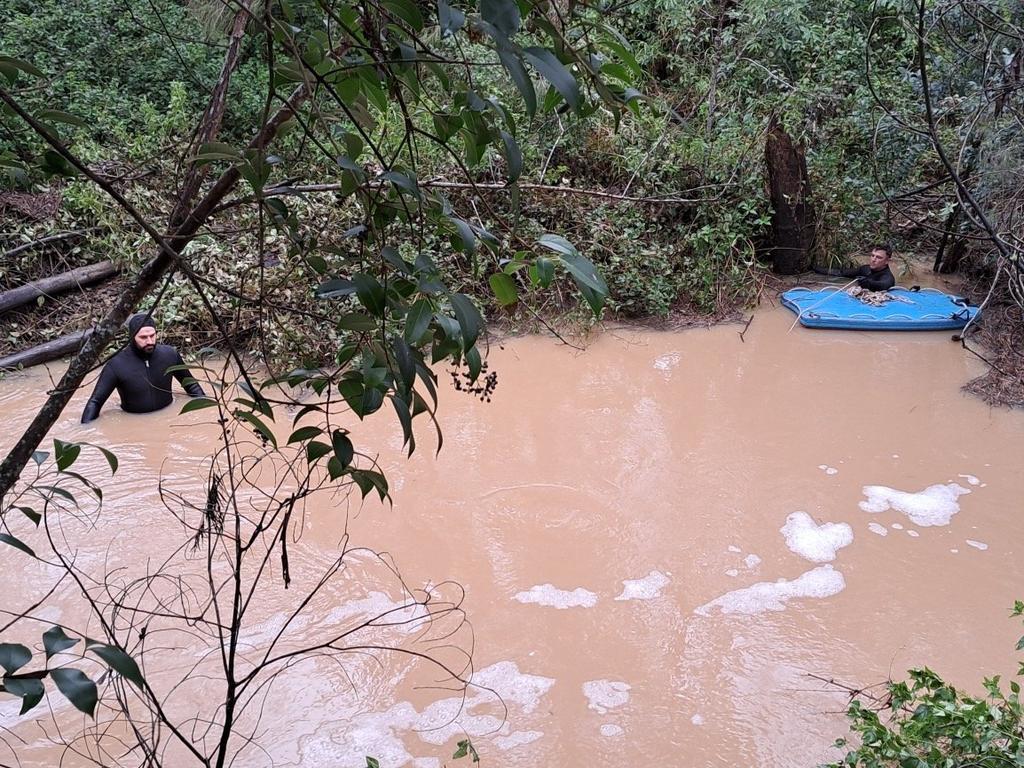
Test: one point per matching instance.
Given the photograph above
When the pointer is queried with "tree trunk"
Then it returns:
(44, 353)
(793, 220)
(76, 278)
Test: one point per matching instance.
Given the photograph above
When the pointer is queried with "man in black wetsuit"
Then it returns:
(139, 373)
(875, 275)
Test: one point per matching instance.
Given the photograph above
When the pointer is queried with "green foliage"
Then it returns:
(927, 723)
(76, 686)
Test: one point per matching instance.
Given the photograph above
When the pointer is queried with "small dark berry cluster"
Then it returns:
(482, 388)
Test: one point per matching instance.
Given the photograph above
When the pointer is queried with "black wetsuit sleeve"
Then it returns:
(188, 381)
(882, 280)
(829, 272)
(104, 388)
(855, 271)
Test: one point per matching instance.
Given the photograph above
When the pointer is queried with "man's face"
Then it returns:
(145, 339)
(879, 260)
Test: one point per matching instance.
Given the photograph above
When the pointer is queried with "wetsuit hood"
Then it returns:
(135, 324)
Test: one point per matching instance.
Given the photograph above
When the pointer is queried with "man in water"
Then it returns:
(875, 275)
(139, 373)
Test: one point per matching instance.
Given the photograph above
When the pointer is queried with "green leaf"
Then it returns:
(358, 322)
(119, 661)
(450, 20)
(261, 429)
(315, 450)
(513, 156)
(77, 688)
(55, 164)
(370, 292)
(6, 538)
(417, 321)
(332, 289)
(555, 72)
(197, 403)
(502, 14)
(475, 363)
(55, 641)
(521, 78)
(403, 181)
(405, 419)
(504, 288)
(14, 656)
(405, 360)
(65, 453)
(406, 11)
(29, 689)
(579, 267)
(55, 115)
(304, 433)
(344, 451)
(216, 150)
(470, 320)
(31, 514)
(8, 63)
(368, 480)
(110, 457)
(371, 762)
(465, 233)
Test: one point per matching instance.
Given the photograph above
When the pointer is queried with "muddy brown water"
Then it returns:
(659, 540)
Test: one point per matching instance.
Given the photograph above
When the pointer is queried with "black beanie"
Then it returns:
(139, 321)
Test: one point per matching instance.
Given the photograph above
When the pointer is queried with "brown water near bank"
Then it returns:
(614, 517)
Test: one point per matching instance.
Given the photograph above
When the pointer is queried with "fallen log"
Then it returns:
(49, 286)
(44, 353)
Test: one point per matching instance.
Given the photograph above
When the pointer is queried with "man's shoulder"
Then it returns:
(165, 349)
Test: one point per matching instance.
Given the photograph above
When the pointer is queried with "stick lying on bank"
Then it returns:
(49, 286)
(44, 353)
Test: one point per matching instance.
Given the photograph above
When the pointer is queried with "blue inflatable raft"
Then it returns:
(925, 309)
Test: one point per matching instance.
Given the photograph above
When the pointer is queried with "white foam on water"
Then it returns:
(667, 362)
(954, 551)
(603, 695)
(817, 543)
(697, 720)
(828, 470)
(733, 548)
(912, 534)
(732, 572)
(611, 730)
(512, 685)
(935, 505)
(646, 588)
(553, 597)
(897, 526)
(820, 582)
(379, 734)
(970, 479)
(751, 561)
(977, 544)
(442, 720)
(895, 455)
(517, 739)
(878, 528)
